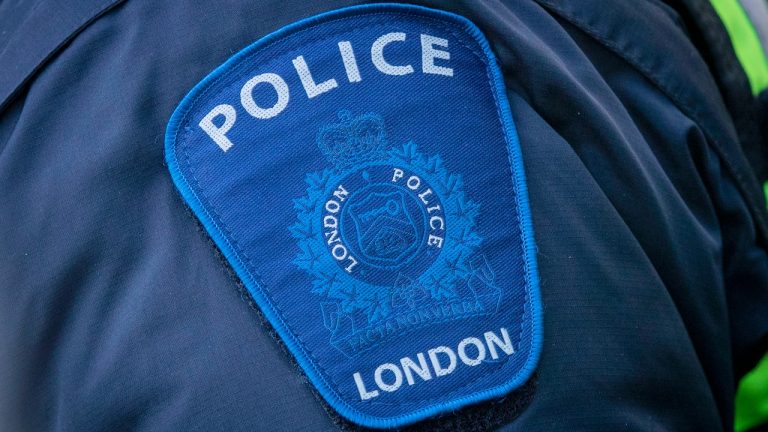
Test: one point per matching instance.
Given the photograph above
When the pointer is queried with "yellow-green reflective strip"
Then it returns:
(752, 398)
(765, 190)
(752, 395)
(745, 41)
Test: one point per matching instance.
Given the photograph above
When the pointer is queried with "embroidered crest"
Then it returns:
(372, 232)
(361, 173)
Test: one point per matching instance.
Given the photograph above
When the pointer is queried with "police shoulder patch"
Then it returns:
(361, 172)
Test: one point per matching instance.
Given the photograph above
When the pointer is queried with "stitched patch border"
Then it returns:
(221, 237)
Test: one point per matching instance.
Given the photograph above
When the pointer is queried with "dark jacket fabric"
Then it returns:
(118, 313)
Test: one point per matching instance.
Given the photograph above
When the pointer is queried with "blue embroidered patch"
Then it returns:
(361, 172)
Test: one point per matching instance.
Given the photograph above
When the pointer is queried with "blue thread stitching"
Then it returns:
(330, 187)
(521, 197)
(483, 60)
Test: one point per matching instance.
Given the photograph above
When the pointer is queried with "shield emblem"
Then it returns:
(385, 230)
(344, 268)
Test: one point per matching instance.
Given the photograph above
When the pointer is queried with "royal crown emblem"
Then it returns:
(389, 237)
(354, 140)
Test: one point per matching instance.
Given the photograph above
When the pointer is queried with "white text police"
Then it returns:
(222, 118)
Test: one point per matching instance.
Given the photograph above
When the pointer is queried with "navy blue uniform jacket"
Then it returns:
(117, 312)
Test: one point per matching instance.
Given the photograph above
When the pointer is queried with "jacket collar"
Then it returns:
(37, 30)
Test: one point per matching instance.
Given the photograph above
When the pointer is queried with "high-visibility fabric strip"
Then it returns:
(745, 41)
(752, 398)
(765, 190)
(757, 10)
